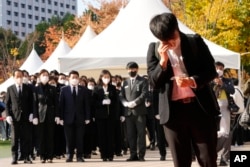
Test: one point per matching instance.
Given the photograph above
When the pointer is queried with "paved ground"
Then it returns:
(152, 160)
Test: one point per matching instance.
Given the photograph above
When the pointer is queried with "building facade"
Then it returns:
(21, 16)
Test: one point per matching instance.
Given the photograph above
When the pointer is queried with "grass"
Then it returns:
(5, 149)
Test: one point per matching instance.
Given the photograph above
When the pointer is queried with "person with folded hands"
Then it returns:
(106, 106)
(19, 108)
(45, 116)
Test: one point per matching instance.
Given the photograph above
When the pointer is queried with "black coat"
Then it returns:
(200, 66)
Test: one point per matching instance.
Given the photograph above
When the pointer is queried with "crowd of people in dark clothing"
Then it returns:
(49, 120)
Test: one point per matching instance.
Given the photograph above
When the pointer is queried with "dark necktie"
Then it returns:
(74, 92)
(132, 81)
(19, 91)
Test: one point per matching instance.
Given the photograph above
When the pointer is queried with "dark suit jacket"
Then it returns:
(200, 66)
(17, 107)
(74, 112)
(46, 102)
(137, 92)
(104, 111)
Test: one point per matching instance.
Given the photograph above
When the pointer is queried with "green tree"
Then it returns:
(9, 52)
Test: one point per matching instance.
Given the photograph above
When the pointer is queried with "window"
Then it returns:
(36, 18)
(43, 10)
(8, 12)
(36, 8)
(43, 18)
(23, 15)
(61, 13)
(23, 24)
(16, 33)
(23, 34)
(55, 12)
(9, 22)
(49, 10)
(67, 6)
(22, 5)
(43, 1)
(55, 3)
(49, 2)
(9, 3)
(15, 4)
(16, 23)
(15, 13)
(73, 7)
(61, 4)
(29, 7)
(30, 16)
(30, 25)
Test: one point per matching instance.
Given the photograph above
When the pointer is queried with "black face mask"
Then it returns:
(119, 84)
(132, 73)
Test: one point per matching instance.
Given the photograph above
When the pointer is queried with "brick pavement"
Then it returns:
(152, 160)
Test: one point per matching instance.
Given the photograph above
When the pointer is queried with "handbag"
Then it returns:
(232, 107)
(244, 118)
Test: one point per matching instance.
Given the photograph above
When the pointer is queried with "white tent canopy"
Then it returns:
(85, 38)
(127, 39)
(31, 64)
(52, 63)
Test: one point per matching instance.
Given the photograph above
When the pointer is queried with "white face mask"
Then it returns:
(114, 83)
(220, 72)
(90, 87)
(53, 85)
(62, 81)
(44, 79)
(105, 80)
(19, 81)
(25, 80)
(74, 82)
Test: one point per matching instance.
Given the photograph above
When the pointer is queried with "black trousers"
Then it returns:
(161, 140)
(21, 136)
(106, 137)
(117, 137)
(190, 126)
(150, 124)
(136, 131)
(46, 139)
(59, 141)
(74, 139)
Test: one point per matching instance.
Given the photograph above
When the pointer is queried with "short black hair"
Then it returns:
(218, 63)
(54, 72)
(73, 72)
(132, 64)
(17, 70)
(43, 71)
(163, 26)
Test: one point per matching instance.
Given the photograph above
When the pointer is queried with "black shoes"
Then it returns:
(107, 159)
(133, 159)
(69, 160)
(141, 159)
(163, 158)
(14, 162)
(27, 161)
(79, 159)
(87, 156)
